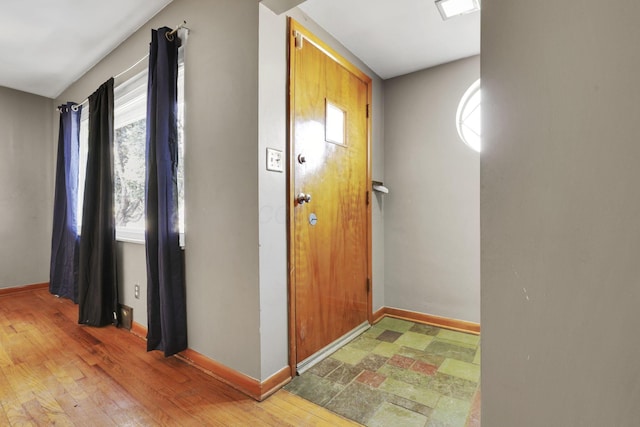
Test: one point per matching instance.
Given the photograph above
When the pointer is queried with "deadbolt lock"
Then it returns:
(303, 198)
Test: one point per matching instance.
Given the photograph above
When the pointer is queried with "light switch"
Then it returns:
(274, 160)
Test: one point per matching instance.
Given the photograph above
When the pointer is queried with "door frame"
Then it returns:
(293, 28)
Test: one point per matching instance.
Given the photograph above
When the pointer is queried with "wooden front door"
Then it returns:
(329, 214)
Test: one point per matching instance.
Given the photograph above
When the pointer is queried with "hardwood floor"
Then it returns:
(54, 371)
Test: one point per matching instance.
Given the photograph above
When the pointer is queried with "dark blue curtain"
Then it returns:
(63, 272)
(166, 296)
(98, 288)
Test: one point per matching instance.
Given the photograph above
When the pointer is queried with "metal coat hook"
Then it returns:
(379, 187)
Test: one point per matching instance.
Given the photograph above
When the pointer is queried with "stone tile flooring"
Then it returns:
(400, 373)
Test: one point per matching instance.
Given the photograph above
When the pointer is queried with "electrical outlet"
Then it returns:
(136, 291)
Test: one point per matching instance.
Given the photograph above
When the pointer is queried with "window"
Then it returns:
(129, 123)
(82, 159)
(468, 117)
(129, 116)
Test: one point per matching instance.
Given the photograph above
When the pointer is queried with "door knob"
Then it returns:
(301, 158)
(303, 198)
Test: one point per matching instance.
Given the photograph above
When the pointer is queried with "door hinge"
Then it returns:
(299, 39)
(367, 197)
(368, 108)
(368, 285)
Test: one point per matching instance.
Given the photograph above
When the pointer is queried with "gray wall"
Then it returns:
(272, 185)
(235, 209)
(432, 218)
(560, 213)
(27, 168)
(132, 269)
(273, 120)
(221, 175)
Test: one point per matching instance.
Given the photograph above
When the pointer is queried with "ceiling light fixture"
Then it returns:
(450, 8)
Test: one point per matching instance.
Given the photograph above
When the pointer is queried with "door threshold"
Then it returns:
(318, 356)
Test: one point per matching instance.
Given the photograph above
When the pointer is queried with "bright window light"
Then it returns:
(468, 117)
(129, 122)
(450, 8)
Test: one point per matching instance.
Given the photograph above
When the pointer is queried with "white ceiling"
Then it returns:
(48, 45)
(395, 37)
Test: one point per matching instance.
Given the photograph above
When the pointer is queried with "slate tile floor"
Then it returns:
(400, 373)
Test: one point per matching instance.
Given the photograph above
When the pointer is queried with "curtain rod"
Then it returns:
(170, 34)
(169, 37)
(73, 107)
(132, 67)
(86, 100)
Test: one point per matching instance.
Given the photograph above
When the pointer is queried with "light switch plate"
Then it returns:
(275, 162)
